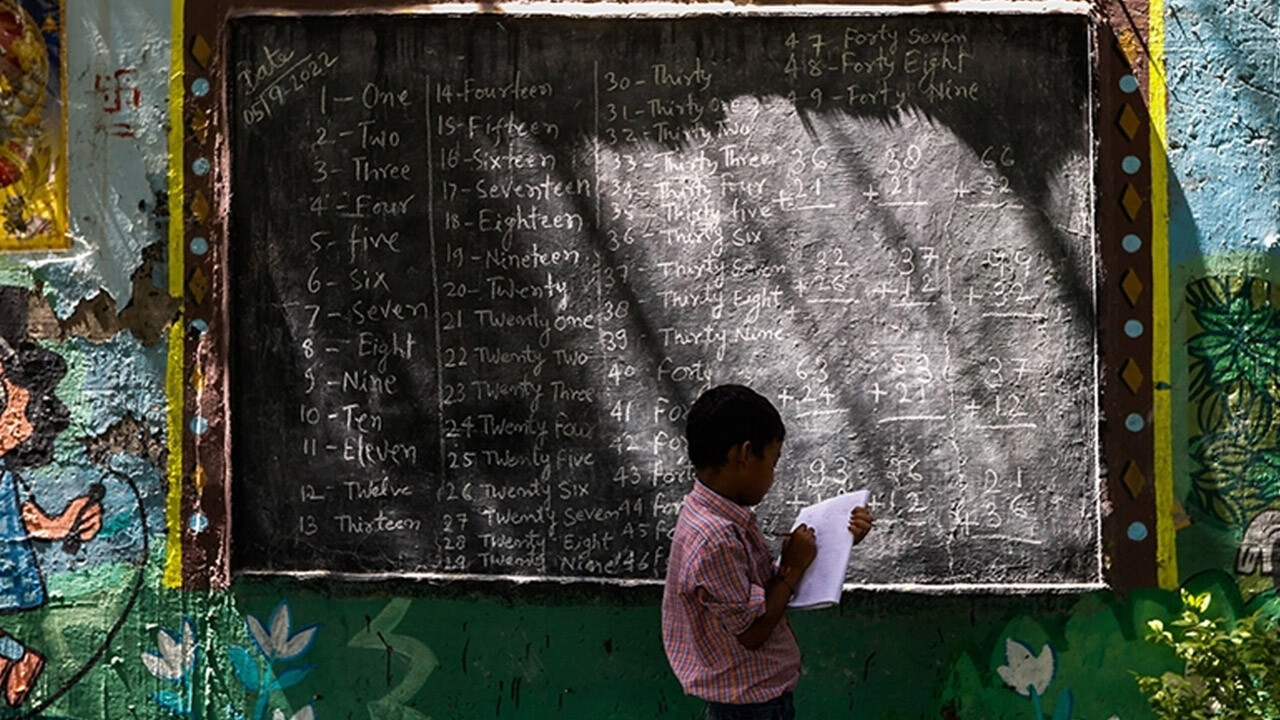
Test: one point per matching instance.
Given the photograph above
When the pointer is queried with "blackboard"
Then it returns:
(482, 265)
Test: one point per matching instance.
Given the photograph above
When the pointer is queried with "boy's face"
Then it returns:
(756, 472)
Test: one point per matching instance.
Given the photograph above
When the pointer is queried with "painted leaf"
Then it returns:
(292, 676)
(308, 712)
(298, 644)
(245, 666)
(1062, 709)
(280, 622)
(1264, 474)
(188, 645)
(1217, 476)
(170, 701)
(1216, 481)
(1199, 384)
(259, 634)
(160, 667)
(1224, 371)
(1214, 318)
(1209, 291)
(1209, 346)
(170, 648)
(1025, 671)
(1228, 450)
(1225, 509)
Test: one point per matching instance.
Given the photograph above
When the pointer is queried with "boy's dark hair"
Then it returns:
(729, 415)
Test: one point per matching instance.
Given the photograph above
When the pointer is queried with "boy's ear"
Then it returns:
(740, 452)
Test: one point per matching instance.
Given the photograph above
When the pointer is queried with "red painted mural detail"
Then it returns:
(120, 94)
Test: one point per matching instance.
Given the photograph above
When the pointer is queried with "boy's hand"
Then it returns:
(800, 548)
(860, 521)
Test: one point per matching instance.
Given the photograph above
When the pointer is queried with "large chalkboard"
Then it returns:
(481, 266)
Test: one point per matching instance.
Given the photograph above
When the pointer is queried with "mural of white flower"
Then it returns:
(278, 643)
(1025, 671)
(306, 713)
(175, 657)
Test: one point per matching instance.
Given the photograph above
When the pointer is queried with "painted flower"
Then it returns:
(1025, 671)
(306, 713)
(277, 643)
(175, 657)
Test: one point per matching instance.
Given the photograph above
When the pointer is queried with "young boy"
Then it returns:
(724, 625)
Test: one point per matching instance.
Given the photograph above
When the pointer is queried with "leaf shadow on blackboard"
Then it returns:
(737, 218)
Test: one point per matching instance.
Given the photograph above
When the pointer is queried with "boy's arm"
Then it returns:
(797, 553)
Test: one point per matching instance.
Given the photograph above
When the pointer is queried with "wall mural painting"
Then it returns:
(1069, 665)
(1259, 546)
(31, 419)
(1029, 674)
(272, 662)
(269, 663)
(1234, 366)
(60, 524)
(174, 661)
(33, 206)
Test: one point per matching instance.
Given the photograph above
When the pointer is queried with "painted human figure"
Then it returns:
(32, 417)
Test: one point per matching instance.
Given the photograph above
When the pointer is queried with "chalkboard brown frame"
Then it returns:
(1124, 279)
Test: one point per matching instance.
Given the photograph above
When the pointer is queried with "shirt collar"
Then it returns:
(717, 504)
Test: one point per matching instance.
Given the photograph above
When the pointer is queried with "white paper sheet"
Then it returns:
(821, 584)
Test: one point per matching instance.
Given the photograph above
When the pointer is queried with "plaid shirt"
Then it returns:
(715, 589)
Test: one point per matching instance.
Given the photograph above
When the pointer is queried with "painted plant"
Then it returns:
(174, 661)
(1235, 394)
(1029, 674)
(261, 668)
(1069, 665)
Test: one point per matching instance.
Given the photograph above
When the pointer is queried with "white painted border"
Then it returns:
(672, 9)
(924, 589)
(667, 9)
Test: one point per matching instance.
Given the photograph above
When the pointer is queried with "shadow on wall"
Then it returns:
(1222, 69)
(886, 225)
(1228, 323)
(1224, 230)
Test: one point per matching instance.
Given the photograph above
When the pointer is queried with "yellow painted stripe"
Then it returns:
(173, 502)
(1161, 360)
(62, 222)
(174, 381)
